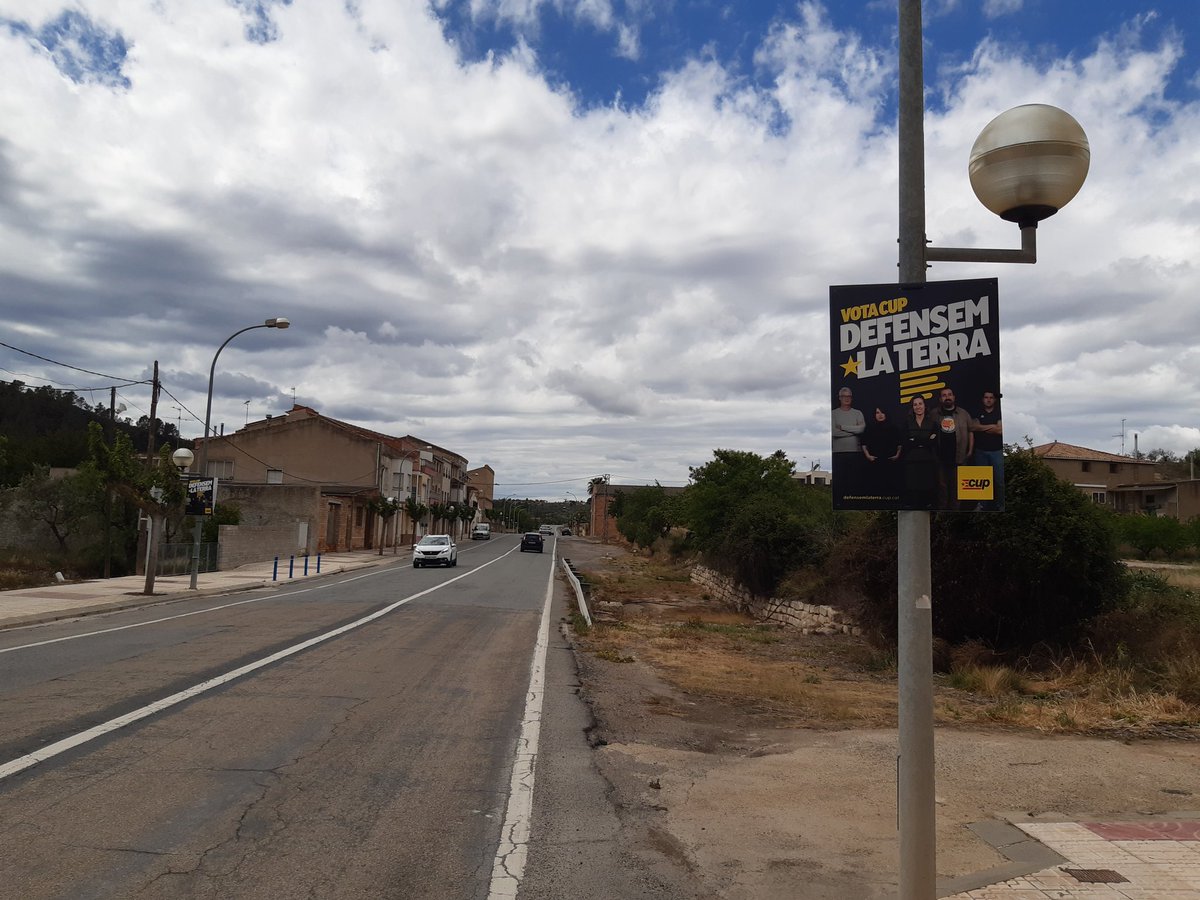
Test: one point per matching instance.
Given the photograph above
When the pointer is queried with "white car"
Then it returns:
(546, 529)
(435, 550)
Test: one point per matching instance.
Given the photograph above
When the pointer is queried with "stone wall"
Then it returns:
(242, 544)
(809, 618)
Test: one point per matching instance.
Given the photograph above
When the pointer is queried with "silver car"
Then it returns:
(435, 550)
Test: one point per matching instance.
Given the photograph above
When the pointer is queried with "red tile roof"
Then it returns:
(1059, 450)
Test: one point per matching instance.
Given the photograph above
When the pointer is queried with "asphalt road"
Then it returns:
(376, 763)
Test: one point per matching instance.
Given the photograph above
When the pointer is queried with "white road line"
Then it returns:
(51, 750)
(509, 866)
(197, 612)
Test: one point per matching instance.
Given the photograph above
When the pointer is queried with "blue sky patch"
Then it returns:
(82, 50)
(261, 28)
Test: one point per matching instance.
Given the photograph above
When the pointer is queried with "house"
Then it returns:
(603, 523)
(483, 481)
(1125, 483)
(815, 476)
(345, 467)
(1094, 472)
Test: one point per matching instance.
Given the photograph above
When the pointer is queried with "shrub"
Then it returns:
(1037, 572)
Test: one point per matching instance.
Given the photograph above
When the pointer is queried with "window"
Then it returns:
(396, 485)
(1087, 465)
(220, 468)
(1098, 497)
(274, 476)
(1114, 468)
(359, 514)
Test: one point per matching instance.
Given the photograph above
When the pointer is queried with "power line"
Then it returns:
(70, 387)
(76, 368)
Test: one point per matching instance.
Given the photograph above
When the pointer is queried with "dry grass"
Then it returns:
(706, 651)
(1186, 576)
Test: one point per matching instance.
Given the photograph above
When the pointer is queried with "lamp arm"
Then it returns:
(1027, 253)
(208, 405)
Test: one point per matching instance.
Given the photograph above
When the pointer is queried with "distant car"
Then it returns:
(435, 550)
(481, 532)
(565, 532)
(546, 529)
(531, 541)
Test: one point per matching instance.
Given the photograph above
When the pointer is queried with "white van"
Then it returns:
(481, 532)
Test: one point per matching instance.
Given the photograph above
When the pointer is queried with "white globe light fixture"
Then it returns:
(183, 458)
(1029, 162)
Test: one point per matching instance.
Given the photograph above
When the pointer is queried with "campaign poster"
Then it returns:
(916, 396)
(201, 495)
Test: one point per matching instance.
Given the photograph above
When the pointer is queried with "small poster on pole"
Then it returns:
(915, 380)
(201, 495)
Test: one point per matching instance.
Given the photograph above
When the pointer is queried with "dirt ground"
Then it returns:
(753, 803)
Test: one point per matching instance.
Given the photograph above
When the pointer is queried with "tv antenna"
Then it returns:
(1122, 437)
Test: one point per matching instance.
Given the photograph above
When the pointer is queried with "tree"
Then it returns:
(62, 505)
(416, 512)
(646, 514)
(155, 489)
(752, 520)
(385, 508)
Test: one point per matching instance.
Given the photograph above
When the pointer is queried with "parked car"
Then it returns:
(565, 532)
(435, 550)
(546, 529)
(531, 541)
(481, 532)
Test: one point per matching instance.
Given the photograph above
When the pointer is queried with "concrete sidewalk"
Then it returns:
(1134, 858)
(31, 606)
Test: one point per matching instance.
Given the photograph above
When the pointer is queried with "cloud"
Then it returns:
(470, 253)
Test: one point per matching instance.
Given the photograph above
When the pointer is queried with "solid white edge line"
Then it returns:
(51, 750)
(509, 866)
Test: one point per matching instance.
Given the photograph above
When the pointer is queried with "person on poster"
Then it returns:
(920, 457)
(956, 444)
(848, 426)
(989, 445)
(881, 448)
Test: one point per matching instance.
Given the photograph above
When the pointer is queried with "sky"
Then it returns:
(571, 238)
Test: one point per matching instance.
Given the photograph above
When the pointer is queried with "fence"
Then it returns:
(176, 559)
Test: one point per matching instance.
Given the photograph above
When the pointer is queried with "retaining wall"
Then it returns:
(242, 544)
(809, 618)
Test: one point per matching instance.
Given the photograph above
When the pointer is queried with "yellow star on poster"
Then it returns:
(850, 366)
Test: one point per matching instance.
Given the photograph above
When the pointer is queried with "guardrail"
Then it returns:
(580, 599)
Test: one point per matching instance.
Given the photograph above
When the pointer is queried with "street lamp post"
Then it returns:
(278, 322)
(1027, 164)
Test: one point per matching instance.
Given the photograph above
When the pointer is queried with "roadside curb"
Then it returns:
(138, 600)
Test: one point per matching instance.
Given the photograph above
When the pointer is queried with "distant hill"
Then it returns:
(45, 426)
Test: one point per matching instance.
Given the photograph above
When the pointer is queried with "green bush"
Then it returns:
(1037, 572)
(753, 521)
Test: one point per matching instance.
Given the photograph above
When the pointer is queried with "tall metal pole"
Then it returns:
(916, 815)
(197, 531)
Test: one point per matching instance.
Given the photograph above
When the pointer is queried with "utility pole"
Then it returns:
(155, 522)
(108, 500)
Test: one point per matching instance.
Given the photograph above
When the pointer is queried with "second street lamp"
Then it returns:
(1026, 164)
(278, 322)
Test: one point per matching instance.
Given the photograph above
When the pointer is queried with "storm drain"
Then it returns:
(1096, 876)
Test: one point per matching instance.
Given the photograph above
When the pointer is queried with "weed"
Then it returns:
(578, 623)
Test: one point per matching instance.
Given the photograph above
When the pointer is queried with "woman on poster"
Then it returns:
(920, 457)
(881, 448)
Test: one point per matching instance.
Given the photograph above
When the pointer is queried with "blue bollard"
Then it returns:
(275, 570)
(318, 563)
(306, 565)
(291, 565)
